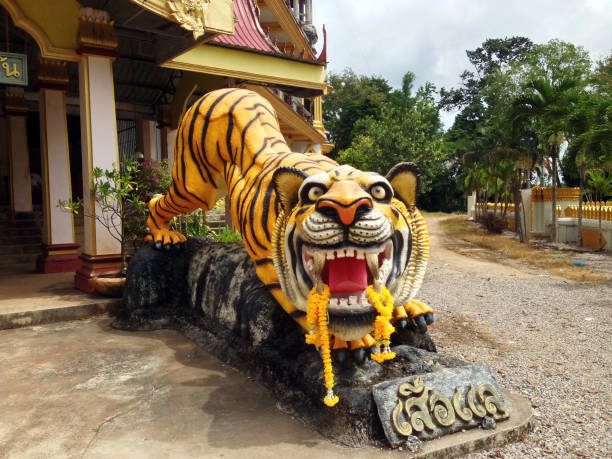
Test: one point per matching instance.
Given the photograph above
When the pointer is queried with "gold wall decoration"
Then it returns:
(420, 409)
(96, 30)
(52, 72)
(190, 14)
(14, 101)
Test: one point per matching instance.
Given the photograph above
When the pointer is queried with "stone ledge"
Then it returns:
(57, 314)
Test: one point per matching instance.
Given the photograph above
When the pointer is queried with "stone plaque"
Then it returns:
(434, 404)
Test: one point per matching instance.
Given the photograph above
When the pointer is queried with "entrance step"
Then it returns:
(7, 260)
(20, 239)
(19, 249)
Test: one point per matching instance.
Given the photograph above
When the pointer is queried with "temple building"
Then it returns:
(87, 82)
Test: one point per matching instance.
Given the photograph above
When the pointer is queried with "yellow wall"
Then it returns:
(218, 60)
(186, 86)
(53, 24)
(59, 19)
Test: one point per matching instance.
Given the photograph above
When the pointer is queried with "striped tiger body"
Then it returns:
(303, 218)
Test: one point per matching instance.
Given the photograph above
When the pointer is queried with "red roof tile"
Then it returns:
(247, 32)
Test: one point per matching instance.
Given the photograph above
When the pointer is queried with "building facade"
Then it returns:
(88, 82)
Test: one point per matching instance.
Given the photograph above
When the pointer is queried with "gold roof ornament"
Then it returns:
(190, 14)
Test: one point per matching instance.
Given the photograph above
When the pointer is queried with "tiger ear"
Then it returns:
(287, 182)
(404, 178)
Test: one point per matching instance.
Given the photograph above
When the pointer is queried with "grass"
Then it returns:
(426, 213)
(556, 263)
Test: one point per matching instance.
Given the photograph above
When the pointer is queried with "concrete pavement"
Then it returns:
(83, 389)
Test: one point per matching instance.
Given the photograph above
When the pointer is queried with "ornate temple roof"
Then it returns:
(247, 32)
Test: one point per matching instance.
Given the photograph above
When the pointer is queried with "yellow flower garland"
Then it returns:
(383, 303)
(316, 317)
(316, 314)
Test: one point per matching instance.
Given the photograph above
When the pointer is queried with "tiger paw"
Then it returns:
(167, 239)
(361, 348)
(421, 313)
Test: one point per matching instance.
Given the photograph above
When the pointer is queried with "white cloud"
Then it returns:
(390, 37)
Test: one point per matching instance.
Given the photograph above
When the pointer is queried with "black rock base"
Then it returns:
(210, 292)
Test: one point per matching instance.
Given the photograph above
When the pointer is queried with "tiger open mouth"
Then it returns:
(348, 271)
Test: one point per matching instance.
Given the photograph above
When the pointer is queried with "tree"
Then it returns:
(352, 99)
(592, 142)
(591, 129)
(480, 133)
(407, 129)
(493, 54)
(601, 185)
(548, 103)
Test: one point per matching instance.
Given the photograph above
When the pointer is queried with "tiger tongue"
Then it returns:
(347, 275)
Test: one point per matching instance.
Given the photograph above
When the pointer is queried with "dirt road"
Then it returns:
(546, 338)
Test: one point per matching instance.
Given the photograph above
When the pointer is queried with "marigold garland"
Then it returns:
(318, 334)
(316, 315)
(383, 303)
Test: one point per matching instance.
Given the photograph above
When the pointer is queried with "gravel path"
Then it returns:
(546, 338)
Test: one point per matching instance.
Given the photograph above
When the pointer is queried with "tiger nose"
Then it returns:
(346, 212)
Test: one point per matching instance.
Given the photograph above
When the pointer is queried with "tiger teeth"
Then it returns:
(352, 300)
(343, 302)
(350, 252)
(333, 302)
(372, 261)
(318, 263)
(359, 255)
(340, 253)
(330, 255)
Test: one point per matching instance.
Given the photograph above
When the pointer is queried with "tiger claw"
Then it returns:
(420, 323)
(429, 318)
(167, 247)
(340, 356)
(179, 246)
(402, 324)
(158, 245)
(359, 356)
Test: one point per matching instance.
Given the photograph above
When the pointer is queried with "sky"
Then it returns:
(429, 37)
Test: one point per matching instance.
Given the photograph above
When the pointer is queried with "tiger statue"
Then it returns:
(311, 226)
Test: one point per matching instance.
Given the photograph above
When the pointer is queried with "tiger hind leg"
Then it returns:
(162, 208)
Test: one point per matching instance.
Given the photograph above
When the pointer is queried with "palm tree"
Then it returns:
(547, 104)
(592, 126)
(601, 185)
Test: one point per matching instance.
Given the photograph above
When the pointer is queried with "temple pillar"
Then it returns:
(296, 10)
(170, 139)
(60, 252)
(164, 121)
(148, 139)
(99, 145)
(317, 116)
(5, 164)
(16, 110)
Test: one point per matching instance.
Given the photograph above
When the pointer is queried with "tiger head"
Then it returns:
(349, 229)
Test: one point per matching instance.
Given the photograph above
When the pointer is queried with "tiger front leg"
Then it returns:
(160, 213)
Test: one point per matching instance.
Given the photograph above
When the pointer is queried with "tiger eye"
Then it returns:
(378, 192)
(315, 192)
